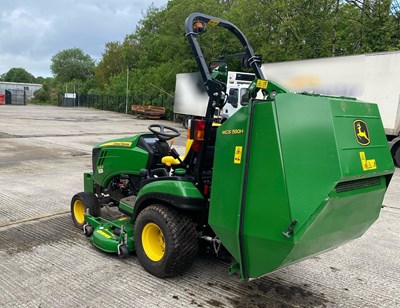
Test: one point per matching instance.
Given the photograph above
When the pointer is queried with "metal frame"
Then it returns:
(215, 88)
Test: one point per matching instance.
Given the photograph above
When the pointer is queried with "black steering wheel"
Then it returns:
(164, 132)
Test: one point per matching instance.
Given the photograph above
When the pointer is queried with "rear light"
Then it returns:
(196, 130)
(199, 128)
(196, 133)
(206, 190)
(196, 146)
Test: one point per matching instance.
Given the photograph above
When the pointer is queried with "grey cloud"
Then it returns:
(32, 31)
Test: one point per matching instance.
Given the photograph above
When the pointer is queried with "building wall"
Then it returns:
(15, 87)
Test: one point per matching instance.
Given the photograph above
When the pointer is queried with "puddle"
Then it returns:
(268, 292)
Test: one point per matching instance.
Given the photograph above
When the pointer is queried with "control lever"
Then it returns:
(174, 153)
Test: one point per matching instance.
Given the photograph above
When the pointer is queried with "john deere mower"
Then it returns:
(288, 176)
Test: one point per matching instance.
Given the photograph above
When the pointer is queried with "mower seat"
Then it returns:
(169, 160)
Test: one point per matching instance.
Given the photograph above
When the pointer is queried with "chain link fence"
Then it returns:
(117, 103)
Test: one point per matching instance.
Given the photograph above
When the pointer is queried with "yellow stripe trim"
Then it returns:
(116, 144)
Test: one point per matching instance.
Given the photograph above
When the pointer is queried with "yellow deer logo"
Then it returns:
(361, 131)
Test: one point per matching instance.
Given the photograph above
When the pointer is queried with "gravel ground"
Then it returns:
(46, 262)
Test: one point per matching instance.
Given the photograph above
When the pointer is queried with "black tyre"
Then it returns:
(123, 251)
(165, 241)
(88, 230)
(80, 204)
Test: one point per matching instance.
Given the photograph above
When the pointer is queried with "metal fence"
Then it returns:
(115, 103)
(16, 97)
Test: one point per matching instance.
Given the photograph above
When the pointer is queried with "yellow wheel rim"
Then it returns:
(153, 242)
(79, 211)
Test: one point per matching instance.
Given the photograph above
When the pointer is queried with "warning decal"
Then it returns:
(367, 164)
(238, 155)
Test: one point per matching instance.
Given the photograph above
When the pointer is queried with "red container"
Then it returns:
(2, 99)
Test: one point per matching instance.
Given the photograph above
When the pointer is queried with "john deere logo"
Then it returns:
(361, 131)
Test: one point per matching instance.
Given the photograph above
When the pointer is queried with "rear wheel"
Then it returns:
(165, 241)
(80, 204)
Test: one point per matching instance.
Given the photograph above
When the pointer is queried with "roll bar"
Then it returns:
(253, 60)
(215, 88)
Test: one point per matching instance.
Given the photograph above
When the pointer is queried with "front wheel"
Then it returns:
(80, 204)
(165, 241)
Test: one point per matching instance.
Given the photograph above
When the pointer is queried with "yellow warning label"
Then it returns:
(262, 84)
(213, 22)
(104, 234)
(367, 164)
(238, 155)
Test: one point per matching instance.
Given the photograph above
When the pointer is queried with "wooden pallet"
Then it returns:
(148, 112)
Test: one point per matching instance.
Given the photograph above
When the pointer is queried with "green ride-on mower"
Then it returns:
(286, 177)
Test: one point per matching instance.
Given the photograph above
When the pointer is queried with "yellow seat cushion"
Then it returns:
(169, 160)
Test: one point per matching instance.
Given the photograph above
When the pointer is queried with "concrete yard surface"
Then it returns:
(46, 262)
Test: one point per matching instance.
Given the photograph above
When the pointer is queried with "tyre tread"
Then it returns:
(184, 244)
(90, 202)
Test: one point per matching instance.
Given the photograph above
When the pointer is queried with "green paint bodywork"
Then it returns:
(126, 207)
(88, 182)
(103, 236)
(116, 157)
(122, 156)
(302, 147)
(177, 188)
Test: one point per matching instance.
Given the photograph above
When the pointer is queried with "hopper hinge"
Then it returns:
(290, 230)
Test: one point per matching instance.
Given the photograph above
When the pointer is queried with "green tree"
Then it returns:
(377, 27)
(164, 50)
(110, 64)
(42, 96)
(40, 79)
(280, 30)
(118, 57)
(18, 74)
(287, 30)
(48, 94)
(72, 64)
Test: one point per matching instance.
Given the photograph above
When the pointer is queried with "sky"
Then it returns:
(32, 31)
